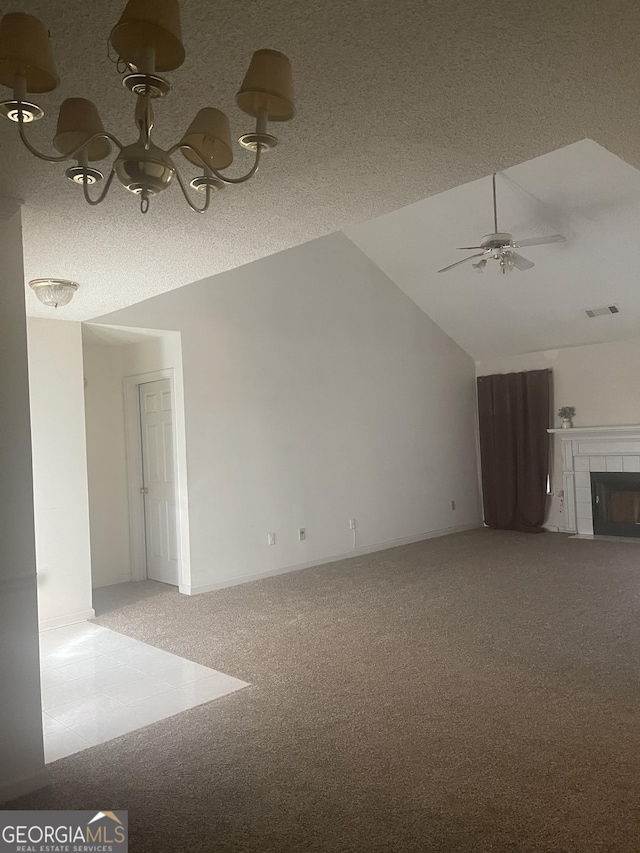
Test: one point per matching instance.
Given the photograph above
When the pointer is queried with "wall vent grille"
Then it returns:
(600, 312)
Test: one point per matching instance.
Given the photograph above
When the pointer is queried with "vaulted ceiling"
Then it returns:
(582, 191)
(397, 102)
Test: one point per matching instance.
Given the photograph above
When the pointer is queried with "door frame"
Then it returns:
(133, 445)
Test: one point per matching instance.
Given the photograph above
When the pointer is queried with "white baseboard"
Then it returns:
(296, 567)
(25, 785)
(123, 578)
(69, 619)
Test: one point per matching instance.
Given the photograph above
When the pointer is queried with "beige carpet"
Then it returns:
(479, 692)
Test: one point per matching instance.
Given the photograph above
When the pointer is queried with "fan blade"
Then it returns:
(469, 248)
(520, 262)
(463, 261)
(539, 241)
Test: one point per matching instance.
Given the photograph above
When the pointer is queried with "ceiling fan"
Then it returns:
(500, 246)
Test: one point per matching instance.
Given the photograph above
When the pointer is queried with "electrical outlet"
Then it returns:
(352, 524)
(302, 534)
(271, 538)
(453, 504)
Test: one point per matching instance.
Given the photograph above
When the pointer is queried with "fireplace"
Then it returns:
(611, 454)
(615, 500)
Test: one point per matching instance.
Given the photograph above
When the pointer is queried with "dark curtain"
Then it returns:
(513, 414)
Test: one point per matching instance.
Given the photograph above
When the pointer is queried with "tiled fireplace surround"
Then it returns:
(586, 449)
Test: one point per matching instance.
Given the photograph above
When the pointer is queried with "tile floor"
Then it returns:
(98, 684)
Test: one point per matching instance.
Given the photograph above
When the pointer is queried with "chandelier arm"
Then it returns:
(194, 207)
(224, 178)
(73, 154)
(105, 190)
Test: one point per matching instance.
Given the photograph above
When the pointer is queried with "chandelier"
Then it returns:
(147, 39)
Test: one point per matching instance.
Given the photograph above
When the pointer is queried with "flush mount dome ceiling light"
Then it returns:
(147, 39)
(54, 291)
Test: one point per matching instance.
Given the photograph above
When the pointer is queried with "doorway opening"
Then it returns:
(136, 457)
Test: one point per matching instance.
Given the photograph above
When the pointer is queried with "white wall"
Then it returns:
(107, 361)
(21, 753)
(59, 472)
(315, 392)
(104, 413)
(152, 353)
(600, 380)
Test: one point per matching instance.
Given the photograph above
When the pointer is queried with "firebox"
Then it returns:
(615, 499)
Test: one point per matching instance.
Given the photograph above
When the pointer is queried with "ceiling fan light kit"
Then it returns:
(147, 39)
(501, 245)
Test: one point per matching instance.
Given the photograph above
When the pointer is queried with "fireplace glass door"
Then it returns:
(615, 499)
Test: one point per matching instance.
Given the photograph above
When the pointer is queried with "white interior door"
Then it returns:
(159, 487)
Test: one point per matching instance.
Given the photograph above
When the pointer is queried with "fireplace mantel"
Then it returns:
(587, 449)
(592, 431)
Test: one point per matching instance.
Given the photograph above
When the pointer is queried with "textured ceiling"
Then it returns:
(397, 101)
(582, 191)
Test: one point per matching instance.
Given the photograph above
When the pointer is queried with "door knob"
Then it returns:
(144, 490)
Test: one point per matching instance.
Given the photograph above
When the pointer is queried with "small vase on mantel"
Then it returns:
(567, 413)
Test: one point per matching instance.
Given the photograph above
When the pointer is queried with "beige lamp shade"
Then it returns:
(146, 24)
(268, 85)
(25, 51)
(209, 133)
(78, 121)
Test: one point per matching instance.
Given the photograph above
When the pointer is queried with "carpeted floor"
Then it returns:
(478, 692)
